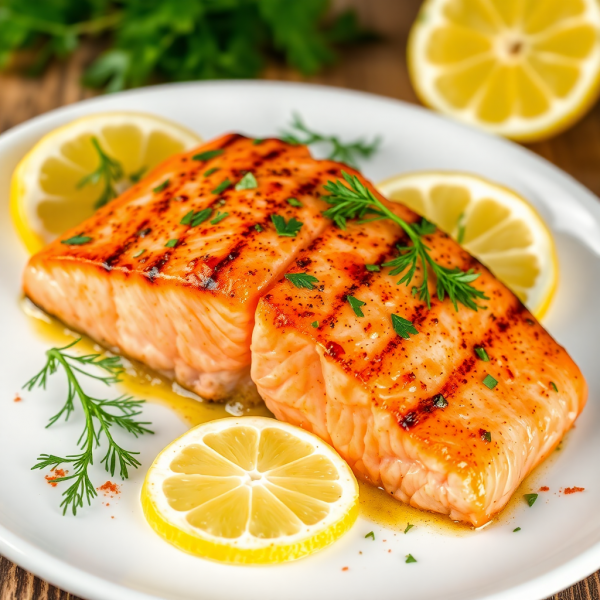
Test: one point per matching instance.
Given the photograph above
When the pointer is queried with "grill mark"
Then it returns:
(153, 269)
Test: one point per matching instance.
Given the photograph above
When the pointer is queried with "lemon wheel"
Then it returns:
(522, 69)
(79, 166)
(493, 223)
(251, 490)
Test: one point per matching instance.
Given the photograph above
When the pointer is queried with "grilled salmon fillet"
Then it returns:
(181, 297)
(414, 416)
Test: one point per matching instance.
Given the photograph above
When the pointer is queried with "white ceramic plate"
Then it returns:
(98, 557)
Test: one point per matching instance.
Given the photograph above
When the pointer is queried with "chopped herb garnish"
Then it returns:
(351, 199)
(486, 436)
(371, 535)
(482, 354)
(289, 229)
(315, 324)
(137, 175)
(410, 559)
(139, 252)
(439, 401)
(109, 170)
(187, 219)
(77, 240)
(220, 216)
(211, 171)
(355, 303)
(490, 382)
(163, 186)
(257, 141)
(530, 498)
(344, 152)
(247, 182)
(222, 187)
(517, 529)
(424, 227)
(553, 386)
(294, 202)
(258, 227)
(403, 327)
(201, 216)
(408, 528)
(172, 243)
(302, 280)
(372, 267)
(207, 155)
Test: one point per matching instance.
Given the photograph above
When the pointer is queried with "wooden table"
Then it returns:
(379, 68)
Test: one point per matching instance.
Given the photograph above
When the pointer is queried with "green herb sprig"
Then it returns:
(109, 171)
(347, 153)
(353, 200)
(100, 416)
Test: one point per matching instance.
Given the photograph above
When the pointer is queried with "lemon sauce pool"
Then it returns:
(375, 504)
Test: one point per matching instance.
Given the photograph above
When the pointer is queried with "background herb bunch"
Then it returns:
(176, 40)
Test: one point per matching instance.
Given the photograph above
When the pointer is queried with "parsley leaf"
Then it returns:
(210, 171)
(302, 280)
(77, 240)
(355, 303)
(403, 327)
(220, 216)
(482, 354)
(289, 229)
(530, 498)
(247, 182)
(410, 559)
(172, 243)
(372, 268)
(294, 202)
(371, 535)
(222, 187)
(207, 155)
(163, 186)
(490, 382)
(408, 528)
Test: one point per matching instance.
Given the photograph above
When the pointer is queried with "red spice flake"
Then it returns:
(544, 488)
(109, 488)
(573, 490)
(55, 474)
(18, 398)
(344, 568)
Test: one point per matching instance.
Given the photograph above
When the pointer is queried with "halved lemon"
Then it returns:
(63, 179)
(493, 223)
(250, 490)
(525, 69)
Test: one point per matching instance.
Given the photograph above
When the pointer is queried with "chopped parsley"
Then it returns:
(172, 243)
(257, 141)
(530, 498)
(302, 280)
(425, 227)
(294, 202)
(553, 386)
(187, 219)
(220, 216)
(211, 171)
(355, 303)
(77, 240)
(408, 528)
(315, 324)
(439, 401)
(410, 559)
(490, 382)
(196, 218)
(486, 436)
(371, 535)
(403, 327)
(207, 155)
(258, 227)
(139, 252)
(372, 267)
(289, 229)
(482, 354)
(222, 187)
(163, 186)
(517, 529)
(247, 182)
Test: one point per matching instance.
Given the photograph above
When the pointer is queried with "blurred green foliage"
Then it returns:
(176, 40)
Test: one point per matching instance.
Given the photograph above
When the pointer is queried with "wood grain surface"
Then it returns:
(379, 68)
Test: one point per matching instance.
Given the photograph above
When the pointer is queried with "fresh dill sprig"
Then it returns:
(355, 201)
(100, 416)
(347, 153)
(109, 170)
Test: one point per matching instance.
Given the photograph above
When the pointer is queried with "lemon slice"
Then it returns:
(492, 223)
(525, 70)
(250, 490)
(49, 191)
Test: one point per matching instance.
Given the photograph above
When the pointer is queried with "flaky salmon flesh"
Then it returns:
(207, 303)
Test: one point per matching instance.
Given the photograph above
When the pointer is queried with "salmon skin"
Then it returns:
(414, 416)
(181, 297)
